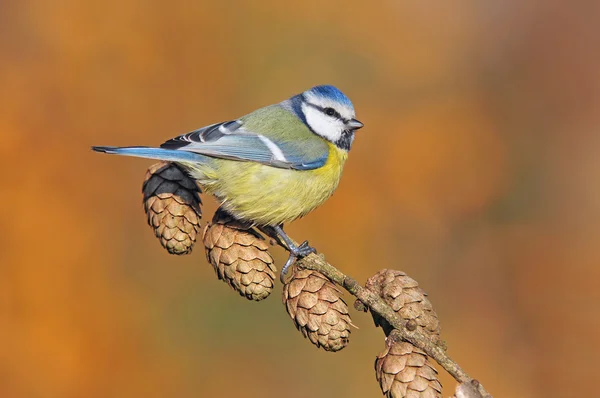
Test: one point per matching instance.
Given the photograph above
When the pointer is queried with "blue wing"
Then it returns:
(230, 140)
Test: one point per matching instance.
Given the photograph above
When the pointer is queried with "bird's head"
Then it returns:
(329, 114)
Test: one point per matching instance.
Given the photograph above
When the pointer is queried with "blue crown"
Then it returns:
(331, 92)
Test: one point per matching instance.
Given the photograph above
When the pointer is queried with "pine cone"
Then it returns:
(318, 311)
(403, 370)
(172, 205)
(404, 295)
(239, 256)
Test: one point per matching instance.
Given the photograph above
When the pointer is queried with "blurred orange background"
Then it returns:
(476, 173)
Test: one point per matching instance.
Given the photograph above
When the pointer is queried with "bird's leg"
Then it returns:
(302, 250)
(296, 251)
(271, 233)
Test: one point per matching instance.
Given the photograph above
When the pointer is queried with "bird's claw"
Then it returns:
(296, 252)
(304, 250)
(290, 261)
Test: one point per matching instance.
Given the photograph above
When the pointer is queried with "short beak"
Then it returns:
(354, 124)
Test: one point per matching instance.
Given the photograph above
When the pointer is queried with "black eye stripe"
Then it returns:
(323, 110)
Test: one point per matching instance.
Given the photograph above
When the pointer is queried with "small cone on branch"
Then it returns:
(172, 205)
(404, 295)
(315, 305)
(403, 370)
(239, 256)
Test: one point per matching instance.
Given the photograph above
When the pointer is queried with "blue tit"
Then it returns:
(271, 166)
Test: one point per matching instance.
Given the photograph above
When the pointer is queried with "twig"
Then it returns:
(406, 332)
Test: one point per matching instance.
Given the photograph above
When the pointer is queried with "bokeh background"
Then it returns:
(476, 173)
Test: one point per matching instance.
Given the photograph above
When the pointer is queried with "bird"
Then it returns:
(271, 166)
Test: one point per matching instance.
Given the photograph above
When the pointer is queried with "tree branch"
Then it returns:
(402, 328)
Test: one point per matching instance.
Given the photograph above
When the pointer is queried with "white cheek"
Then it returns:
(323, 125)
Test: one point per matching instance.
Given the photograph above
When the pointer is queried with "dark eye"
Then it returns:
(330, 111)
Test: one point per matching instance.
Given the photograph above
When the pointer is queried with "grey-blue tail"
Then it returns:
(153, 153)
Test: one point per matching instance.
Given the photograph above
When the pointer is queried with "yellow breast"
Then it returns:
(270, 196)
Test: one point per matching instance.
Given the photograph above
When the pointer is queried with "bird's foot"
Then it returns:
(296, 252)
(304, 250)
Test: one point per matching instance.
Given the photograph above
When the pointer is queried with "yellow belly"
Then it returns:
(269, 196)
